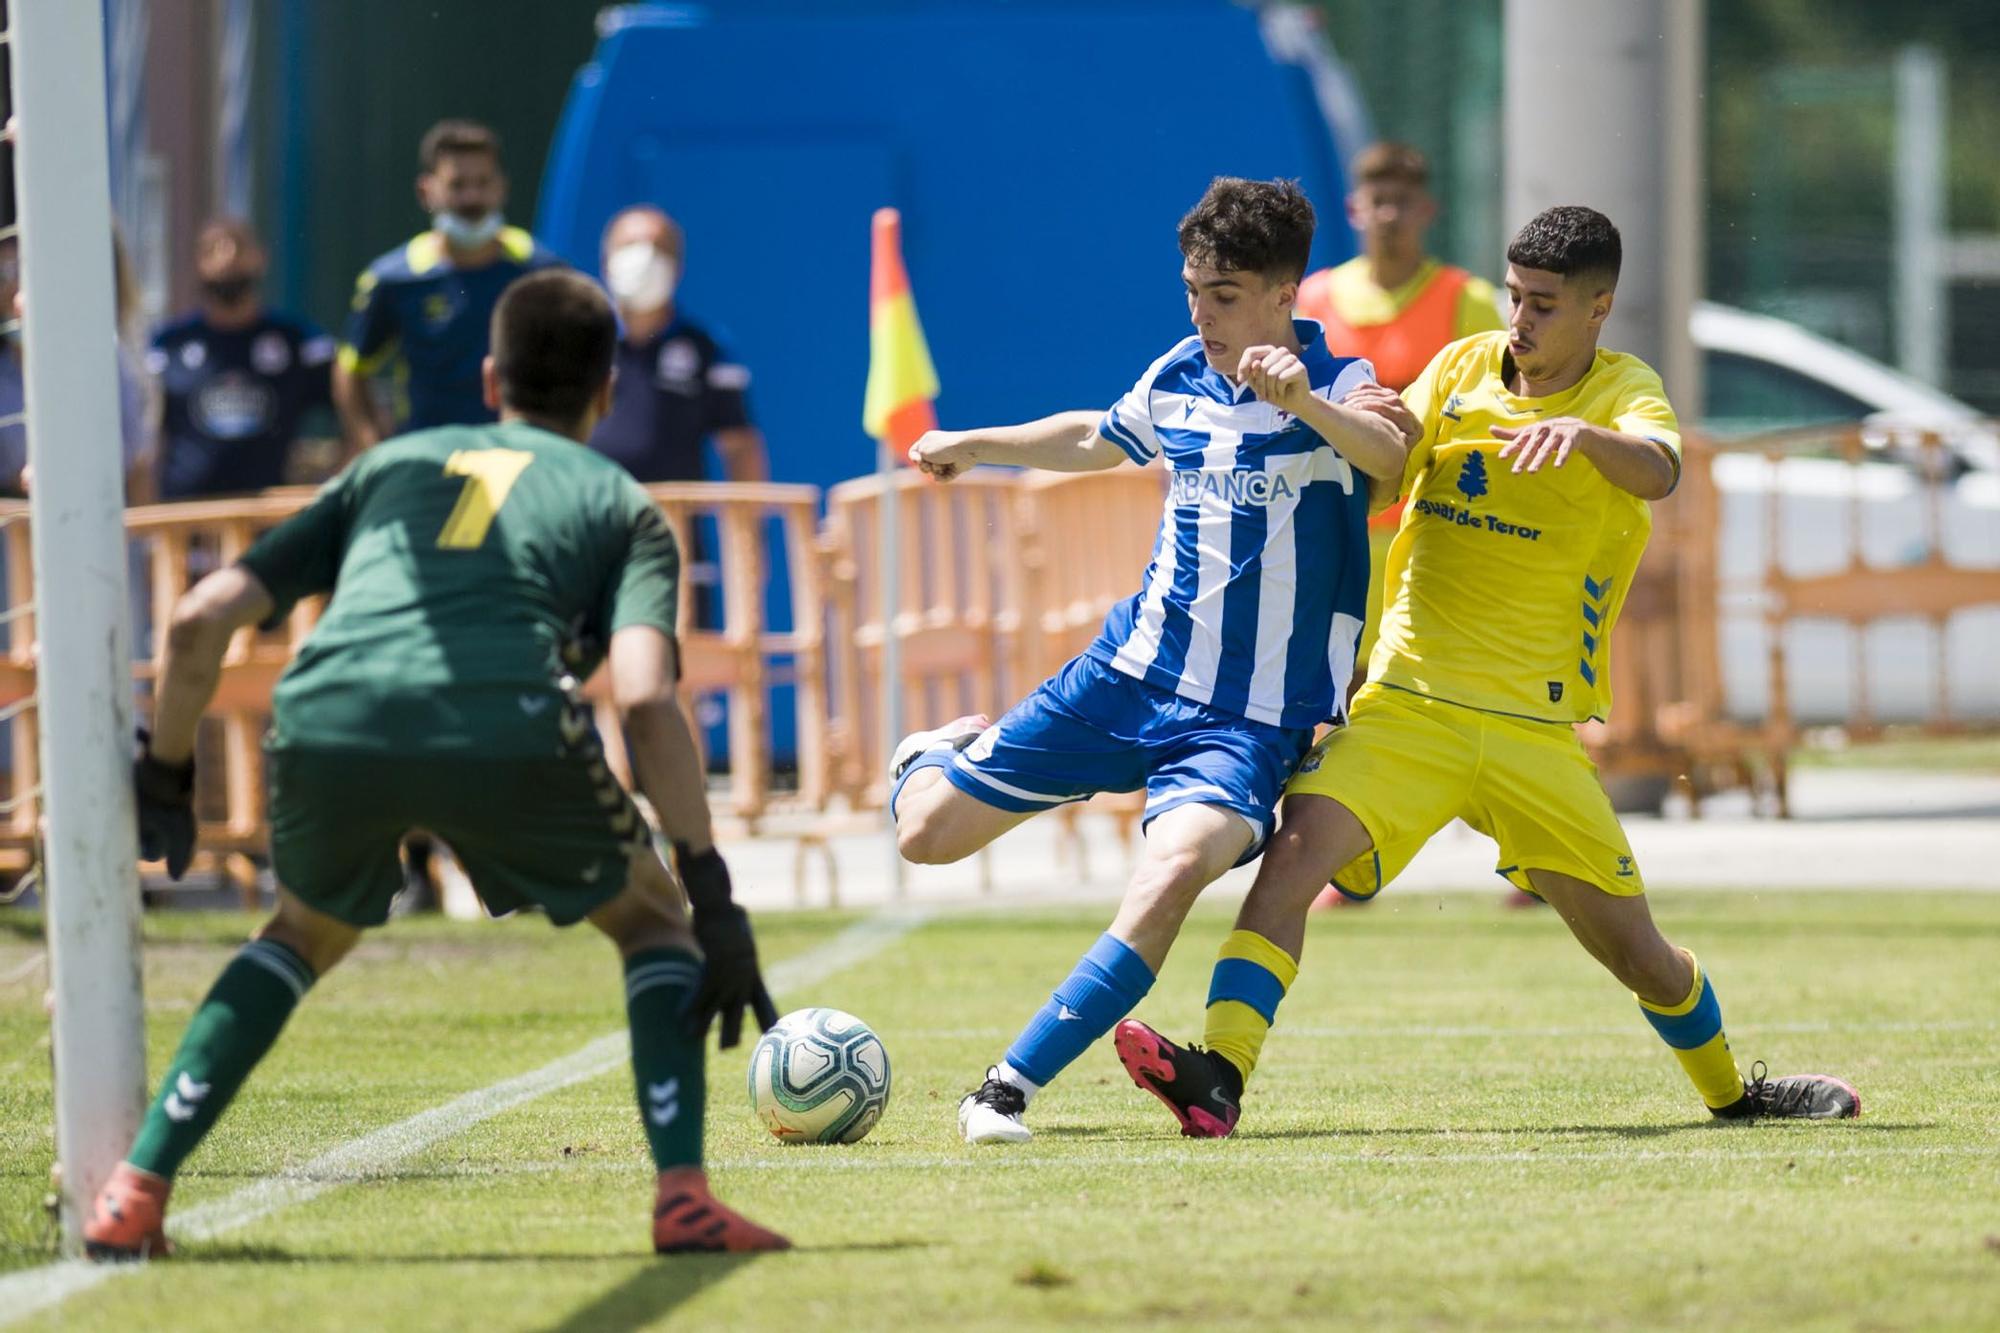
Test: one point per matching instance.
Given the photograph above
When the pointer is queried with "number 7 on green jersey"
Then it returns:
(489, 475)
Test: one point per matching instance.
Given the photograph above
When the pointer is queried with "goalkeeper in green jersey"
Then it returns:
(477, 574)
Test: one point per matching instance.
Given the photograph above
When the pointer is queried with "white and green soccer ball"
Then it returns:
(819, 1076)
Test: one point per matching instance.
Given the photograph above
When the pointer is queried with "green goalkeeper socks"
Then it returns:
(666, 1062)
(242, 1015)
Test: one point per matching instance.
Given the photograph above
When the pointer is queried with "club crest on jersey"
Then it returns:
(1255, 488)
(1472, 475)
(438, 308)
(271, 354)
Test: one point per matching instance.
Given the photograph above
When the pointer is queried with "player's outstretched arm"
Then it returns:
(1646, 468)
(1375, 443)
(1065, 442)
(665, 763)
(205, 619)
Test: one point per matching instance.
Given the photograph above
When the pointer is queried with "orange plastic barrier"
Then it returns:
(739, 658)
(1004, 576)
(177, 543)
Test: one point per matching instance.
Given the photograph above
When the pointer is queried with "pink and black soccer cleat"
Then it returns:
(1202, 1089)
(687, 1219)
(128, 1219)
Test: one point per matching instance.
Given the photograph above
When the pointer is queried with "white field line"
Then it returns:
(35, 1289)
(24, 970)
(809, 1157)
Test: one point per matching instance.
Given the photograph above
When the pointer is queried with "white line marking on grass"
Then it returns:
(24, 970)
(813, 1157)
(35, 1289)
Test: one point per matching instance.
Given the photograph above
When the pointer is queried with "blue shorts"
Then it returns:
(1089, 729)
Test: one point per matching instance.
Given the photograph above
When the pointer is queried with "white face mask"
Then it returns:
(640, 277)
(463, 234)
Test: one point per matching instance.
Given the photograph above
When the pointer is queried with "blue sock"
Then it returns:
(1107, 983)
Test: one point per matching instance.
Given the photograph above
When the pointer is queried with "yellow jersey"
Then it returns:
(1503, 587)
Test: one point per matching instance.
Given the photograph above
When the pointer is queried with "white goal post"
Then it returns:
(84, 676)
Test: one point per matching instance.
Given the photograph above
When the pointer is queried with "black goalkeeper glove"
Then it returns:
(730, 980)
(165, 795)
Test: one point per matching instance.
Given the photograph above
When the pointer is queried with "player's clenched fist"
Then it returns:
(1385, 402)
(1275, 375)
(943, 453)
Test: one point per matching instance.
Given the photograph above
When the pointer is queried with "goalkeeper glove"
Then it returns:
(165, 795)
(730, 980)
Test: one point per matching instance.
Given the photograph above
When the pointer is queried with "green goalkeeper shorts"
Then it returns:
(554, 832)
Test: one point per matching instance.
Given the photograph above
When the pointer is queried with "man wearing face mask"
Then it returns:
(423, 308)
(676, 386)
(236, 378)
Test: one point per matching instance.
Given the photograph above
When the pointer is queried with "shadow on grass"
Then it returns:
(652, 1293)
(1101, 1134)
(642, 1300)
(1573, 1131)
(221, 1253)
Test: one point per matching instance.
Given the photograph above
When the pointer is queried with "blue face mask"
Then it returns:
(468, 234)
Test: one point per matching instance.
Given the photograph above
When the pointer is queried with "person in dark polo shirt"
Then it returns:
(236, 377)
(677, 388)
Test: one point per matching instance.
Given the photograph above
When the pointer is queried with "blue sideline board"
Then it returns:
(1041, 154)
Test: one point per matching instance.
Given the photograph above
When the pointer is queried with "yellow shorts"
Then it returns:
(1407, 765)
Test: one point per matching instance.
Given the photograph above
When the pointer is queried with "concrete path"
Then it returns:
(1851, 829)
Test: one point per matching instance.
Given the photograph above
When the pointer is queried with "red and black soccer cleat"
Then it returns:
(128, 1218)
(687, 1219)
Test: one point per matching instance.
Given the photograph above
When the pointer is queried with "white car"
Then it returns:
(1766, 374)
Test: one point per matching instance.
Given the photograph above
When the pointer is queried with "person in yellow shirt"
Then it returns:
(1528, 491)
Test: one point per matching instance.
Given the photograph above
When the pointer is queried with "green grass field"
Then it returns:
(1460, 1122)
(1904, 750)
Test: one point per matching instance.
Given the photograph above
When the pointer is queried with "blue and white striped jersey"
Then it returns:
(1259, 578)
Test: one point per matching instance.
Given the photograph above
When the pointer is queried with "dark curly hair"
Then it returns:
(1250, 226)
(1571, 240)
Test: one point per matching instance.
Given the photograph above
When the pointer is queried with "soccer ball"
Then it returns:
(819, 1076)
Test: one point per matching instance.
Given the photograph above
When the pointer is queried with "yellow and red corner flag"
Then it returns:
(901, 379)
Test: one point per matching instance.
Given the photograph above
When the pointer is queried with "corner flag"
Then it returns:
(901, 380)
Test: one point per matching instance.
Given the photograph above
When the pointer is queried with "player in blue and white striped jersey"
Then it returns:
(1204, 688)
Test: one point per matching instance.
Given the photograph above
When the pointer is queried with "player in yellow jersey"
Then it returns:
(1528, 492)
(1396, 305)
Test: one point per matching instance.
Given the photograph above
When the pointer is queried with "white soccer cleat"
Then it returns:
(993, 1113)
(955, 734)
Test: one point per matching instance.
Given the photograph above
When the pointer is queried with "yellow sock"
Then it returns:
(1251, 976)
(1693, 1028)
